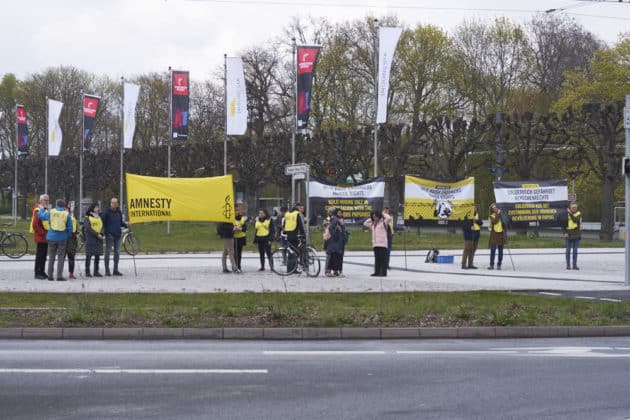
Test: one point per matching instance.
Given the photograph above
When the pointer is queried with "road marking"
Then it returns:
(550, 294)
(462, 352)
(610, 300)
(321, 353)
(139, 371)
(585, 297)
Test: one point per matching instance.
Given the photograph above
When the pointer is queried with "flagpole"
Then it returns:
(225, 114)
(295, 116)
(376, 47)
(81, 154)
(47, 150)
(122, 145)
(15, 186)
(170, 132)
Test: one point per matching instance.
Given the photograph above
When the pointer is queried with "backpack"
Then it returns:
(326, 234)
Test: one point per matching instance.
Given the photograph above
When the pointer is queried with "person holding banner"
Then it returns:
(572, 234)
(378, 224)
(240, 235)
(335, 244)
(226, 232)
(497, 236)
(472, 232)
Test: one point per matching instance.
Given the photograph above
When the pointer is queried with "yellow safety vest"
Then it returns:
(291, 221)
(45, 223)
(475, 225)
(74, 224)
(58, 220)
(262, 228)
(571, 225)
(498, 228)
(240, 224)
(96, 223)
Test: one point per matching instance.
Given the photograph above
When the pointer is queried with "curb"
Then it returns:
(342, 333)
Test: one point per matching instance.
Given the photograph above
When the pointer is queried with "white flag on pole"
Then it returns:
(387, 40)
(55, 136)
(130, 92)
(236, 97)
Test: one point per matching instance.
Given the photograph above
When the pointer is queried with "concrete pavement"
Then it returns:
(601, 269)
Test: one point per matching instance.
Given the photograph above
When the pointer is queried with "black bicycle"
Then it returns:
(13, 244)
(290, 259)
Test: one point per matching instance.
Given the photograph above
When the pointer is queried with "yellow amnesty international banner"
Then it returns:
(435, 202)
(155, 199)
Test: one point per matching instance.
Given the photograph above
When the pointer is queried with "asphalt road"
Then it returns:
(419, 379)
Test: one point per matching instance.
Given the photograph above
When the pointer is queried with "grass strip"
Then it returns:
(202, 237)
(414, 309)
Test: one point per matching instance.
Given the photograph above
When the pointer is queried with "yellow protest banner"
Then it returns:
(429, 201)
(155, 199)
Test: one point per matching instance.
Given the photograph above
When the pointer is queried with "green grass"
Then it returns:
(416, 309)
(201, 237)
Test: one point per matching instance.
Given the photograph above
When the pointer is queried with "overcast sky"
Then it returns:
(129, 37)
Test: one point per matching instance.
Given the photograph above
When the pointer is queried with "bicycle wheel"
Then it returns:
(281, 260)
(311, 262)
(14, 245)
(131, 243)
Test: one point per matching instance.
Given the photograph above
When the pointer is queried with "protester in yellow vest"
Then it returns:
(93, 238)
(240, 235)
(59, 230)
(497, 236)
(39, 229)
(293, 227)
(572, 234)
(264, 237)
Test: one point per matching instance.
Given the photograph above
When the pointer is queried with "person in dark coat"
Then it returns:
(112, 224)
(336, 244)
(93, 239)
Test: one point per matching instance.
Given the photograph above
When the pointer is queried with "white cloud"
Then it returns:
(124, 38)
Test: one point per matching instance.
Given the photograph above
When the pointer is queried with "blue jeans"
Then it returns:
(112, 241)
(493, 250)
(572, 243)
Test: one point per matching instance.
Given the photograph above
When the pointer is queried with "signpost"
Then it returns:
(302, 171)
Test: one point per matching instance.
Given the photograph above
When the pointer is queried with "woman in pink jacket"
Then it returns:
(378, 223)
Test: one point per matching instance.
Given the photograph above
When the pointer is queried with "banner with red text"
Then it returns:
(306, 61)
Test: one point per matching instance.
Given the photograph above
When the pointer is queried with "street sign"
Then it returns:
(299, 175)
(298, 168)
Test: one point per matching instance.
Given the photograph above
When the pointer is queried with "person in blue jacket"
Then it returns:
(60, 229)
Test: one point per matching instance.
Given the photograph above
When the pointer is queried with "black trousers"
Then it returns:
(40, 258)
(239, 243)
(380, 261)
(335, 262)
(264, 248)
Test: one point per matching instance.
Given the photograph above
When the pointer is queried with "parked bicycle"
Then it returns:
(130, 242)
(13, 244)
(289, 259)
